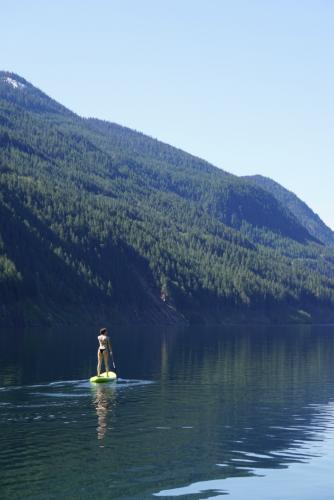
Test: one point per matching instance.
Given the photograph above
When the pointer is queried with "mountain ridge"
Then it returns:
(19, 91)
(304, 214)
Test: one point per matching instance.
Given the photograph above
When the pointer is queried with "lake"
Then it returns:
(196, 413)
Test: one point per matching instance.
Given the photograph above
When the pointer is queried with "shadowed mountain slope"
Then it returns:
(311, 221)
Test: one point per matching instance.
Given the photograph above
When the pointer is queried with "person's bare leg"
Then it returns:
(99, 362)
(106, 361)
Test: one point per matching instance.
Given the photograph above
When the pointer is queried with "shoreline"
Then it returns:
(35, 317)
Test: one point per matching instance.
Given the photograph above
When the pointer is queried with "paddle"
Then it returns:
(112, 359)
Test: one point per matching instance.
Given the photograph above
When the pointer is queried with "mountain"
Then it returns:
(307, 218)
(99, 221)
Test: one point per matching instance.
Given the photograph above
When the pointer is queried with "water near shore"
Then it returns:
(196, 413)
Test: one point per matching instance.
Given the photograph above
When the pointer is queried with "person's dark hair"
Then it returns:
(103, 330)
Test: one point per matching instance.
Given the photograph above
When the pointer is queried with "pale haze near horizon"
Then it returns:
(246, 85)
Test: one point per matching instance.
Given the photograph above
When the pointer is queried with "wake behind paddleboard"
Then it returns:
(104, 378)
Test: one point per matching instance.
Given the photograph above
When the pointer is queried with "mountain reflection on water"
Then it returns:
(194, 413)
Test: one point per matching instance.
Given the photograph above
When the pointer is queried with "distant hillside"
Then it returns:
(301, 211)
(99, 221)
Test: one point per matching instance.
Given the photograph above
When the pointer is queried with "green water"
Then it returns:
(196, 413)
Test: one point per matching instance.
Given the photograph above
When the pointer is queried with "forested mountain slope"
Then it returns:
(97, 220)
(301, 211)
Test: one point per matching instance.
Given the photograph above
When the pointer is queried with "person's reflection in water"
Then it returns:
(104, 402)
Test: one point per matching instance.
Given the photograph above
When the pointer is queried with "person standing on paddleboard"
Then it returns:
(103, 350)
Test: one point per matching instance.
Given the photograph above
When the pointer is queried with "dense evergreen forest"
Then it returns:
(99, 221)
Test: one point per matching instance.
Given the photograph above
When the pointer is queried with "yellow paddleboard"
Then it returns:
(104, 378)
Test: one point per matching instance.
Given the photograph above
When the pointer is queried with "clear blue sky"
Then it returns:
(247, 85)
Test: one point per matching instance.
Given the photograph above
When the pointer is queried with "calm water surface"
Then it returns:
(196, 413)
